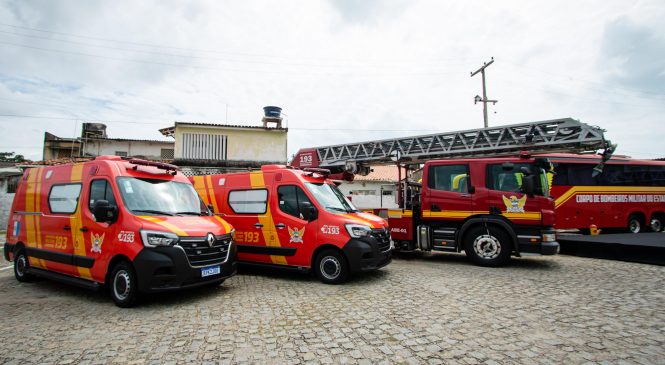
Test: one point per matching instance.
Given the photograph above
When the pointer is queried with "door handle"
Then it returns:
(258, 225)
(67, 228)
(435, 208)
(465, 195)
(84, 229)
(280, 225)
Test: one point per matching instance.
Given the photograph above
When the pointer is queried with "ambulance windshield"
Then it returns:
(330, 198)
(160, 197)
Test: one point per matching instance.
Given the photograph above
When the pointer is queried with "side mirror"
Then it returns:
(103, 211)
(310, 213)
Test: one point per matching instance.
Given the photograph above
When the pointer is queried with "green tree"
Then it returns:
(11, 157)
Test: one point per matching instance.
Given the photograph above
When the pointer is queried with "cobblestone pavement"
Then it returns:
(422, 309)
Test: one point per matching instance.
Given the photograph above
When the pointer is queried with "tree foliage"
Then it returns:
(11, 157)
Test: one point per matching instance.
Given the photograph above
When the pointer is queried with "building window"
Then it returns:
(200, 146)
(64, 198)
(121, 153)
(249, 201)
(12, 184)
(363, 192)
(167, 153)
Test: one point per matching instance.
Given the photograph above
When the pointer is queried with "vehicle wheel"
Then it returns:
(485, 249)
(123, 286)
(634, 224)
(331, 267)
(656, 224)
(21, 265)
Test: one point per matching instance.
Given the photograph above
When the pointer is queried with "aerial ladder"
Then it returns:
(564, 135)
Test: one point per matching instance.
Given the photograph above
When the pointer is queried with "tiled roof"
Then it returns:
(381, 173)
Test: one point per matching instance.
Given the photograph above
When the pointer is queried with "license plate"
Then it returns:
(211, 270)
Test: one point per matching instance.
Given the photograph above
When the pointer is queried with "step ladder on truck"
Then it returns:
(482, 191)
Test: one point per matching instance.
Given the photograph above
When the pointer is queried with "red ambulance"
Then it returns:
(298, 219)
(135, 225)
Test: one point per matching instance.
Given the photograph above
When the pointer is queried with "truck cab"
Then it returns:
(132, 225)
(299, 219)
(490, 208)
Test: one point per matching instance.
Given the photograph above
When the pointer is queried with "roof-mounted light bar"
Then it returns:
(171, 169)
(322, 172)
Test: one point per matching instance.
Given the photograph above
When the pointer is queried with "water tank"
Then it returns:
(272, 111)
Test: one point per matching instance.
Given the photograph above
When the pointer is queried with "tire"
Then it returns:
(488, 250)
(21, 265)
(656, 224)
(123, 285)
(331, 267)
(635, 224)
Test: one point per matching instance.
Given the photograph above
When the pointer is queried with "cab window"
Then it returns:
(500, 179)
(253, 201)
(100, 190)
(64, 198)
(452, 178)
(292, 200)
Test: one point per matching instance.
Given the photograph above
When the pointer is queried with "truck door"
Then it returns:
(251, 217)
(446, 201)
(505, 196)
(59, 227)
(297, 234)
(100, 235)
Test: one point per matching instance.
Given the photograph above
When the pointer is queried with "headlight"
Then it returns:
(549, 237)
(158, 238)
(357, 230)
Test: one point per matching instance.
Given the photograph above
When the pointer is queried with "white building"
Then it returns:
(375, 190)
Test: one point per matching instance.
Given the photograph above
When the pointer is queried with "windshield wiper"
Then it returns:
(152, 211)
(190, 213)
(340, 209)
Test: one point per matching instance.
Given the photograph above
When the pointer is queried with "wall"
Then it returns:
(5, 206)
(242, 144)
(370, 201)
(151, 150)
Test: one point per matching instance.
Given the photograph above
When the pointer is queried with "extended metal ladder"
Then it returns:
(549, 136)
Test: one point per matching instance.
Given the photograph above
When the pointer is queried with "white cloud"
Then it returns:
(359, 69)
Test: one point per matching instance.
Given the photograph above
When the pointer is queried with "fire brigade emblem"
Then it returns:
(514, 205)
(97, 241)
(296, 234)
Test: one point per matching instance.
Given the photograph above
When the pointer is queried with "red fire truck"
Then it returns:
(628, 194)
(469, 197)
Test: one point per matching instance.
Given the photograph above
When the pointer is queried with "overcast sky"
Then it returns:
(343, 71)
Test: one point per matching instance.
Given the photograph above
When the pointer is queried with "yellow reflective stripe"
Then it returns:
(606, 190)
(269, 231)
(38, 209)
(398, 213)
(200, 188)
(173, 228)
(30, 226)
(76, 222)
(211, 192)
(227, 227)
(462, 214)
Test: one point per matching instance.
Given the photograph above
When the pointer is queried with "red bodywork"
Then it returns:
(78, 236)
(273, 236)
(607, 201)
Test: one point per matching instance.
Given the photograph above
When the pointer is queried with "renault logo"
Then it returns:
(210, 239)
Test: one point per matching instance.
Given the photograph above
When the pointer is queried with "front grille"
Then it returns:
(382, 236)
(199, 253)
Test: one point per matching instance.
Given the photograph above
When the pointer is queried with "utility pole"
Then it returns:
(484, 99)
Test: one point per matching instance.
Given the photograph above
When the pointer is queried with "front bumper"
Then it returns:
(364, 255)
(167, 268)
(541, 248)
